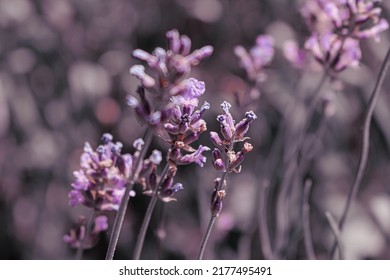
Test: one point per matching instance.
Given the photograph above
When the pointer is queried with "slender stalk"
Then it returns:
(307, 236)
(80, 249)
(125, 200)
(365, 142)
(335, 229)
(148, 216)
(263, 225)
(290, 161)
(206, 235)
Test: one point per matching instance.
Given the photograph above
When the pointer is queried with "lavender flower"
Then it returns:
(337, 27)
(258, 57)
(352, 18)
(100, 183)
(231, 133)
(76, 235)
(294, 54)
(335, 52)
(172, 65)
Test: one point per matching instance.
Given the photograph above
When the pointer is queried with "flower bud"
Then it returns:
(216, 139)
(226, 131)
(217, 159)
(243, 126)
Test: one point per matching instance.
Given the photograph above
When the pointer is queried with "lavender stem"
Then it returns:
(336, 231)
(125, 200)
(80, 249)
(365, 143)
(307, 236)
(148, 215)
(206, 235)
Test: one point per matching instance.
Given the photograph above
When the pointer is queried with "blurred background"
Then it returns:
(63, 81)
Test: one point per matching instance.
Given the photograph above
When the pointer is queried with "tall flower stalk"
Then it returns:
(227, 159)
(99, 184)
(173, 118)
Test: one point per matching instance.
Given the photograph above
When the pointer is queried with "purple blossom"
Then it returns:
(81, 182)
(294, 54)
(77, 233)
(336, 53)
(101, 224)
(195, 157)
(172, 64)
(103, 174)
(156, 157)
(352, 18)
(139, 72)
(258, 57)
(243, 126)
(188, 92)
(224, 157)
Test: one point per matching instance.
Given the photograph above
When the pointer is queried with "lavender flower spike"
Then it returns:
(100, 182)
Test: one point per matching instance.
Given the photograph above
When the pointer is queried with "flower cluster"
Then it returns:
(225, 157)
(169, 67)
(100, 182)
(77, 235)
(185, 124)
(337, 26)
(179, 122)
(173, 113)
(257, 58)
(166, 189)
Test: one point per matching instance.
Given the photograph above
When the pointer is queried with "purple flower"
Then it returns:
(243, 126)
(139, 72)
(102, 177)
(347, 18)
(81, 182)
(334, 52)
(101, 224)
(156, 157)
(188, 92)
(77, 233)
(257, 58)
(196, 157)
(75, 198)
(294, 54)
(224, 153)
(172, 64)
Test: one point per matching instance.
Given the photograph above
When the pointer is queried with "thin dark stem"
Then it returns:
(125, 200)
(211, 222)
(307, 236)
(206, 237)
(263, 225)
(365, 142)
(80, 250)
(291, 161)
(145, 224)
(336, 232)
